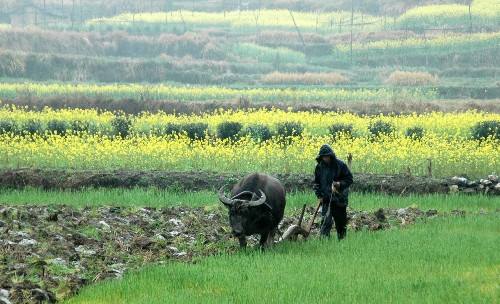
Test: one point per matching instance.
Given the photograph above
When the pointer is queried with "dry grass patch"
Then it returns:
(402, 78)
(304, 78)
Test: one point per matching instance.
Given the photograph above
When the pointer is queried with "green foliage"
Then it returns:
(258, 132)
(415, 132)
(163, 129)
(121, 126)
(195, 130)
(57, 126)
(229, 129)
(8, 126)
(486, 129)
(33, 126)
(289, 129)
(136, 91)
(380, 127)
(340, 128)
(172, 128)
(87, 126)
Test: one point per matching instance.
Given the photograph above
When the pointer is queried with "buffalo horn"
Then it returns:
(260, 201)
(226, 201)
(243, 193)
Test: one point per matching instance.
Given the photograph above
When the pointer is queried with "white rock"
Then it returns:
(401, 211)
(81, 249)
(176, 222)
(459, 180)
(158, 237)
(19, 234)
(453, 189)
(4, 300)
(180, 254)
(497, 187)
(485, 182)
(174, 233)
(57, 261)
(493, 178)
(104, 225)
(4, 293)
(27, 242)
(172, 248)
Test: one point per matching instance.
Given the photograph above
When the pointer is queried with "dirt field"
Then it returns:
(56, 250)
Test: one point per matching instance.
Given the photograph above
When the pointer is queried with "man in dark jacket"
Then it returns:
(332, 179)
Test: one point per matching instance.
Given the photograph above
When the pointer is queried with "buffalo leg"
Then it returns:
(263, 239)
(270, 238)
(243, 242)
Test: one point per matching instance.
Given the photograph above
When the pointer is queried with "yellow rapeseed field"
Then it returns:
(389, 154)
(447, 125)
(446, 142)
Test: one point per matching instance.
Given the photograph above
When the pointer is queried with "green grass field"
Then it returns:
(448, 260)
(158, 198)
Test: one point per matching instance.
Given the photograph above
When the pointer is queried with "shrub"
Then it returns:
(229, 129)
(121, 126)
(166, 129)
(401, 78)
(195, 130)
(485, 129)
(340, 128)
(33, 126)
(380, 127)
(415, 132)
(289, 128)
(258, 132)
(172, 128)
(304, 78)
(84, 126)
(58, 126)
(7, 126)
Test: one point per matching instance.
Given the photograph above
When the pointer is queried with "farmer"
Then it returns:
(332, 179)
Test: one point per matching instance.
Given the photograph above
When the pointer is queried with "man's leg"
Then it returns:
(340, 217)
(326, 219)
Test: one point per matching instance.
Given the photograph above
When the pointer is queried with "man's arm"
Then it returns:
(317, 185)
(345, 179)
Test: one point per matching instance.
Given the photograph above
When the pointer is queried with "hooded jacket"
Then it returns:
(326, 174)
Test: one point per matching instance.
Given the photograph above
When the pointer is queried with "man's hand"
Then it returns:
(335, 186)
(320, 200)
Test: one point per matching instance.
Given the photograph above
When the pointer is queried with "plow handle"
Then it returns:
(302, 215)
(314, 217)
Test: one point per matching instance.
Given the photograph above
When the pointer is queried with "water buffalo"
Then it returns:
(256, 206)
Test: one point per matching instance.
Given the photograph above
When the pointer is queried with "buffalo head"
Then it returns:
(244, 214)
